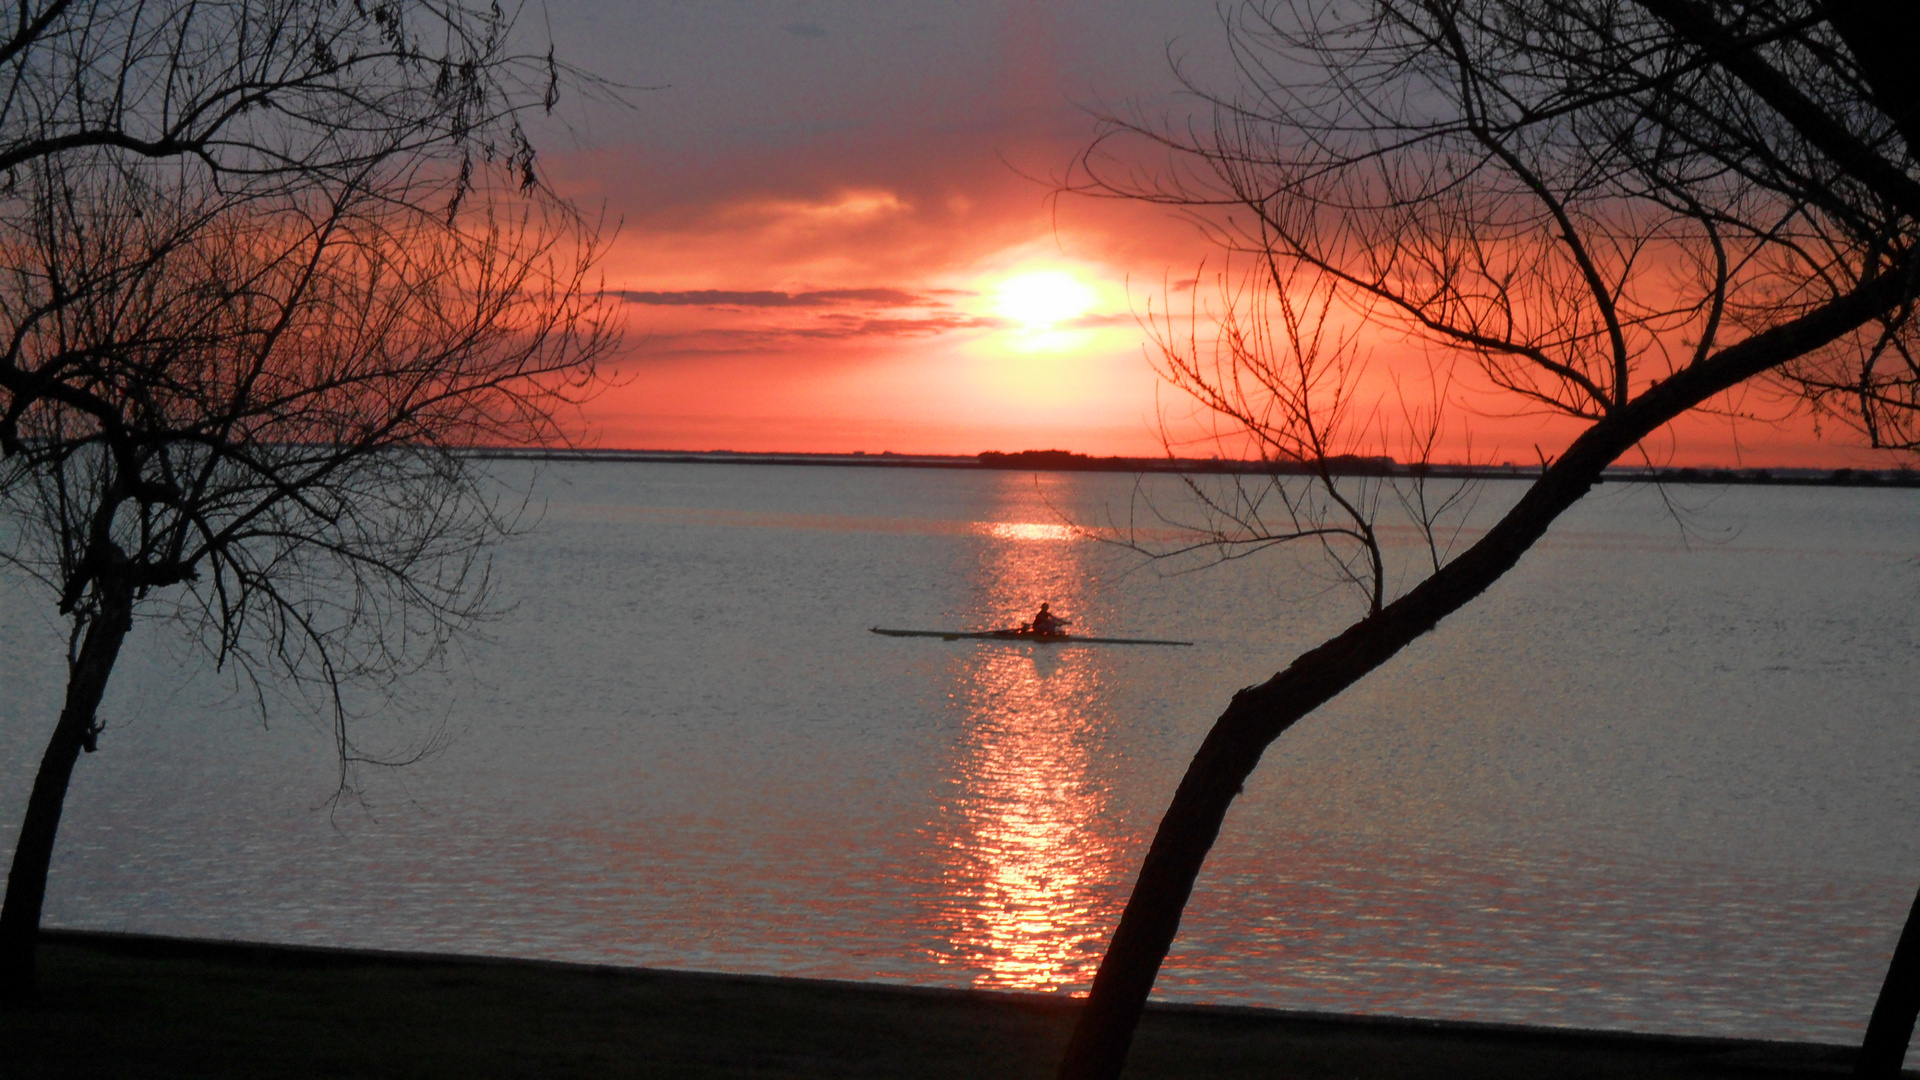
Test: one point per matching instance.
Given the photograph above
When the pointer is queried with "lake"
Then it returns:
(1664, 776)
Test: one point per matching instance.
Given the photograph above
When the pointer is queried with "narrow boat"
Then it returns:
(1024, 635)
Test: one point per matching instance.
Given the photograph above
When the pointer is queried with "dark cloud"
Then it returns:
(858, 328)
(810, 30)
(888, 297)
(771, 299)
(760, 340)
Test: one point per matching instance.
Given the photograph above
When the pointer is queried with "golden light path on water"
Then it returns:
(1023, 846)
(1026, 530)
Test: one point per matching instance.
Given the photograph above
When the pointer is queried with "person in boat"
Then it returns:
(1046, 622)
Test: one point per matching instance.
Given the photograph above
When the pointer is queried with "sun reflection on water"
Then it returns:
(1028, 861)
(1024, 864)
(1026, 530)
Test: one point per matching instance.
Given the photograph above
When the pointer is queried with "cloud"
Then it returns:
(806, 30)
(1098, 320)
(849, 208)
(763, 339)
(934, 324)
(767, 298)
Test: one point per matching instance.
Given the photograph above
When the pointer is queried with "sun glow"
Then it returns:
(1039, 300)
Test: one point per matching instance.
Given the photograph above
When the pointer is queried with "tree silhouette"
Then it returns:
(269, 269)
(1613, 211)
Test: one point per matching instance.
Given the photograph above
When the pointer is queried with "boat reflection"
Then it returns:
(1029, 871)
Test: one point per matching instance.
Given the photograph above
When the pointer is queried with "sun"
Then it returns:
(1039, 300)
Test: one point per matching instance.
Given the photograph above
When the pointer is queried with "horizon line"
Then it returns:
(1054, 460)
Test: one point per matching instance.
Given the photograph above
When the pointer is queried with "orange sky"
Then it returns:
(836, 234)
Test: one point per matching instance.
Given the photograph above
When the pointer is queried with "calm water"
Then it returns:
(1665, 776)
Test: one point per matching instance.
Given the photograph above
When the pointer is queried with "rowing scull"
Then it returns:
(1016, 635)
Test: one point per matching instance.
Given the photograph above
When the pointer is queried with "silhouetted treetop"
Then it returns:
(260, 88)
(1583, 198)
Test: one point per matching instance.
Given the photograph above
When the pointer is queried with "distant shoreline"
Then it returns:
(1065, 461)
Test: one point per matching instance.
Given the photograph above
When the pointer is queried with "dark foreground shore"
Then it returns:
(130, 1006)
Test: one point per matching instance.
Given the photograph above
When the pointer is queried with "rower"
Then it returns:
(1046, 622)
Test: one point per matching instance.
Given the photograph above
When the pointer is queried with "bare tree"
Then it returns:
(1279, 379)
(266, 97)
(277, 89)
(1616, 211)
(245, 358)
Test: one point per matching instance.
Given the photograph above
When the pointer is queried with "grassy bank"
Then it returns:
(119, 1005)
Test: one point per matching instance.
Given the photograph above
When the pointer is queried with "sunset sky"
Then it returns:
(837, 233)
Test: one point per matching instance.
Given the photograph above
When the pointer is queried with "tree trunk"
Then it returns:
(33, 851)
(1258, 715)
(1894, 1011)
